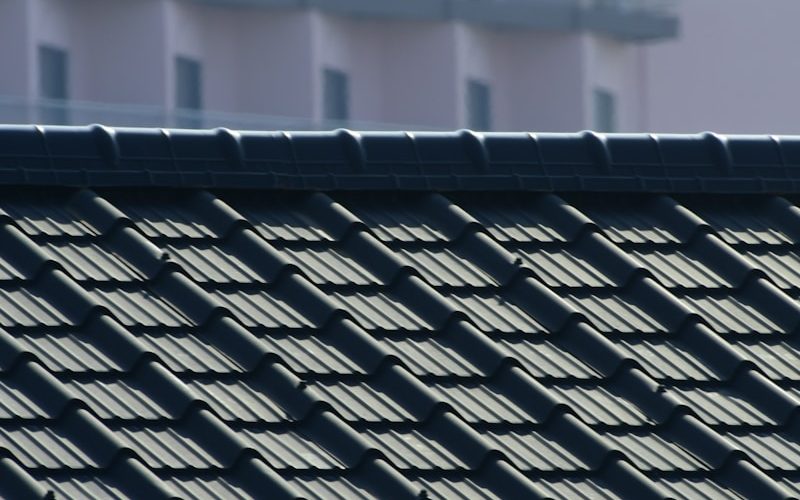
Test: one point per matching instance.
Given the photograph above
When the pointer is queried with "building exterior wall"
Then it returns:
(731, 70)
(259, 61)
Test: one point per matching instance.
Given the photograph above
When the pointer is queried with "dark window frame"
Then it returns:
(479, 105)
(53, 91)
(335, 96)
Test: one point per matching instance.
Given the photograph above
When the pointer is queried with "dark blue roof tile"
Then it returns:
(397, 315)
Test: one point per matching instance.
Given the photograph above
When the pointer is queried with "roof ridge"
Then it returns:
(423, 161)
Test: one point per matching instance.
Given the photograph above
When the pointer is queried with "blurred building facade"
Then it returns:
(556, 65)
(732, 69)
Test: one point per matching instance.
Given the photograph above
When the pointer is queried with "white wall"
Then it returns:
(420, 74)
(16, 48)
(547, 82)
(115, 47)
(270, 62)
(618, 68)
(734, 69)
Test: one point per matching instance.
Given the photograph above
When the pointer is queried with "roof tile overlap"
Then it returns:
(441, 342)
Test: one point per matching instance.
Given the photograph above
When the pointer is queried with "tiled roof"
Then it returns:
(192, 341)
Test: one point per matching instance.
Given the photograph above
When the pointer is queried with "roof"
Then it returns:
(318, 315)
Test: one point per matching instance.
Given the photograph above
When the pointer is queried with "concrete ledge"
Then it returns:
(551, 15)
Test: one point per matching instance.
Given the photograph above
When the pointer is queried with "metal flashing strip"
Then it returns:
(398, 161)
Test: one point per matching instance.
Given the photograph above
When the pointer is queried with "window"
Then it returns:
(479, 106)
(53, 89)
(605, 113)
(188, 92)
(335, 96)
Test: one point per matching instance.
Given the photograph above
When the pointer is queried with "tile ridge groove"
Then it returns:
(376, 251)
(15, 482)
(584, 331)
(88, 420)
(74, 293)
(92, 207)
(349, 327)
(780, 304)
(698, 333)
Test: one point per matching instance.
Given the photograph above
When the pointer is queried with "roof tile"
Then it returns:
(722, 407)
(234, 400)
(615, 313)
(67, 351)
(651, 452)
(676, 268)
(29, 307)
(82, 486)
(86, 261)
(511, 223)
(284, 449)
(732, 314)
(310, 354)
(481, 403)
(140, 307)
(161, 219)
(166, 447)
(743, 226)
(622, 225)
(183, 351)
(216, 370)
(206, 487)
(121, 399)
(697, 488)
(40, 446)
(398, 222)
(329, 486)
(430, 356)
(535, 451)
(543, 359)
(778, 358)
(46, 218)
(771, 450)
(15, 403)
(494, 313)
(281, 222)
(211, 264)
(362, 402)
(414, 450)
(262, 309)
(576, 488)
(442, 267)
(563, 268)
(597, 405)
(782, 265)
(376, 311)
(665, 359)
(329, 266)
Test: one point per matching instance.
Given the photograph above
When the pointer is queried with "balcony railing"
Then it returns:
(17, 110)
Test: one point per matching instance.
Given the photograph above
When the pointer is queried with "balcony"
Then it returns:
(628, 20)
